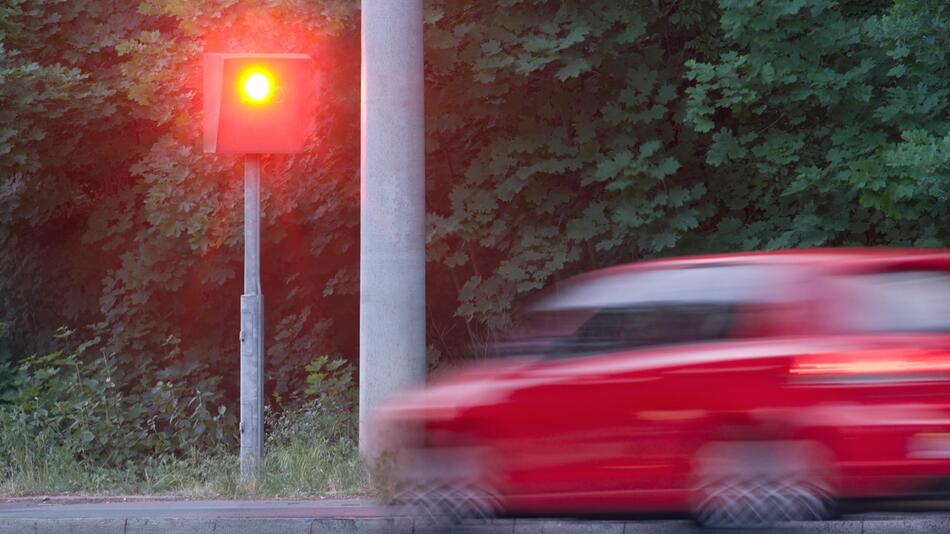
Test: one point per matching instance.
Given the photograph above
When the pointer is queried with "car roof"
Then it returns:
(824, 259)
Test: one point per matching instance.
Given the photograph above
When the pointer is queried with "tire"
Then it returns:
(444, 486)
(446, 504)
(760, 484)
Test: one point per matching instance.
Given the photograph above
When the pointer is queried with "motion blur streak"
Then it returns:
(885, 362)
(747, 389)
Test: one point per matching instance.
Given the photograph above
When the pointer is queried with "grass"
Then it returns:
(304, 466)
(61, 434)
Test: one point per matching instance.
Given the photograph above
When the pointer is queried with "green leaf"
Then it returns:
(725, 147)
(573, 68)
(666, 167)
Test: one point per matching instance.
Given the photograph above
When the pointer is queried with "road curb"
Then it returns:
(408, 526)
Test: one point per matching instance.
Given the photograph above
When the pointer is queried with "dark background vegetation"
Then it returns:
(561, 136)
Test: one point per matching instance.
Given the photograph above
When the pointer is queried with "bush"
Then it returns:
(82, 425)
(327, 407)
(90, 408)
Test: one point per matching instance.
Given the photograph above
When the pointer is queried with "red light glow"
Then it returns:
(257, 86)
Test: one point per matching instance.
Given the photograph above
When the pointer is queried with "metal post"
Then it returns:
(252, 328)
(392, 206)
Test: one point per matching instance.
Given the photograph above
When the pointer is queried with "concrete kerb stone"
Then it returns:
(677, 526)
(568, 527)
(494, 526)
(832, 527)
(18, 526)
(407, 526)
(62, 526)
(381, 525)
(83, 526)
(234, 525)
(690, 527)
(906, 526)
(168, 525)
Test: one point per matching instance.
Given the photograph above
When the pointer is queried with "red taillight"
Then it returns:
(873, 362)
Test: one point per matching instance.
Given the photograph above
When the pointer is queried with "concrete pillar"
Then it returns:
(392, 205)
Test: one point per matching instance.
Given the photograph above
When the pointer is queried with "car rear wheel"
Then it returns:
(444, 485)
(756, 484)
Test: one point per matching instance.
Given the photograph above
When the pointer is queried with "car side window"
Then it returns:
(661, 307)
(642, 326)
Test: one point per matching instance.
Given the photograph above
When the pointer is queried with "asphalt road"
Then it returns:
(141, 516)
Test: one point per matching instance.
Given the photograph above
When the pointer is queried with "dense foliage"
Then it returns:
(86, 402)
(839, 112)
(562, 136)
(76, 422)
(569, 136)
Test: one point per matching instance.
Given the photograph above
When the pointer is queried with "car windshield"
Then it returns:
(899, 301)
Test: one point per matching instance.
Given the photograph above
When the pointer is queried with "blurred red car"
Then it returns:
(745, 388)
